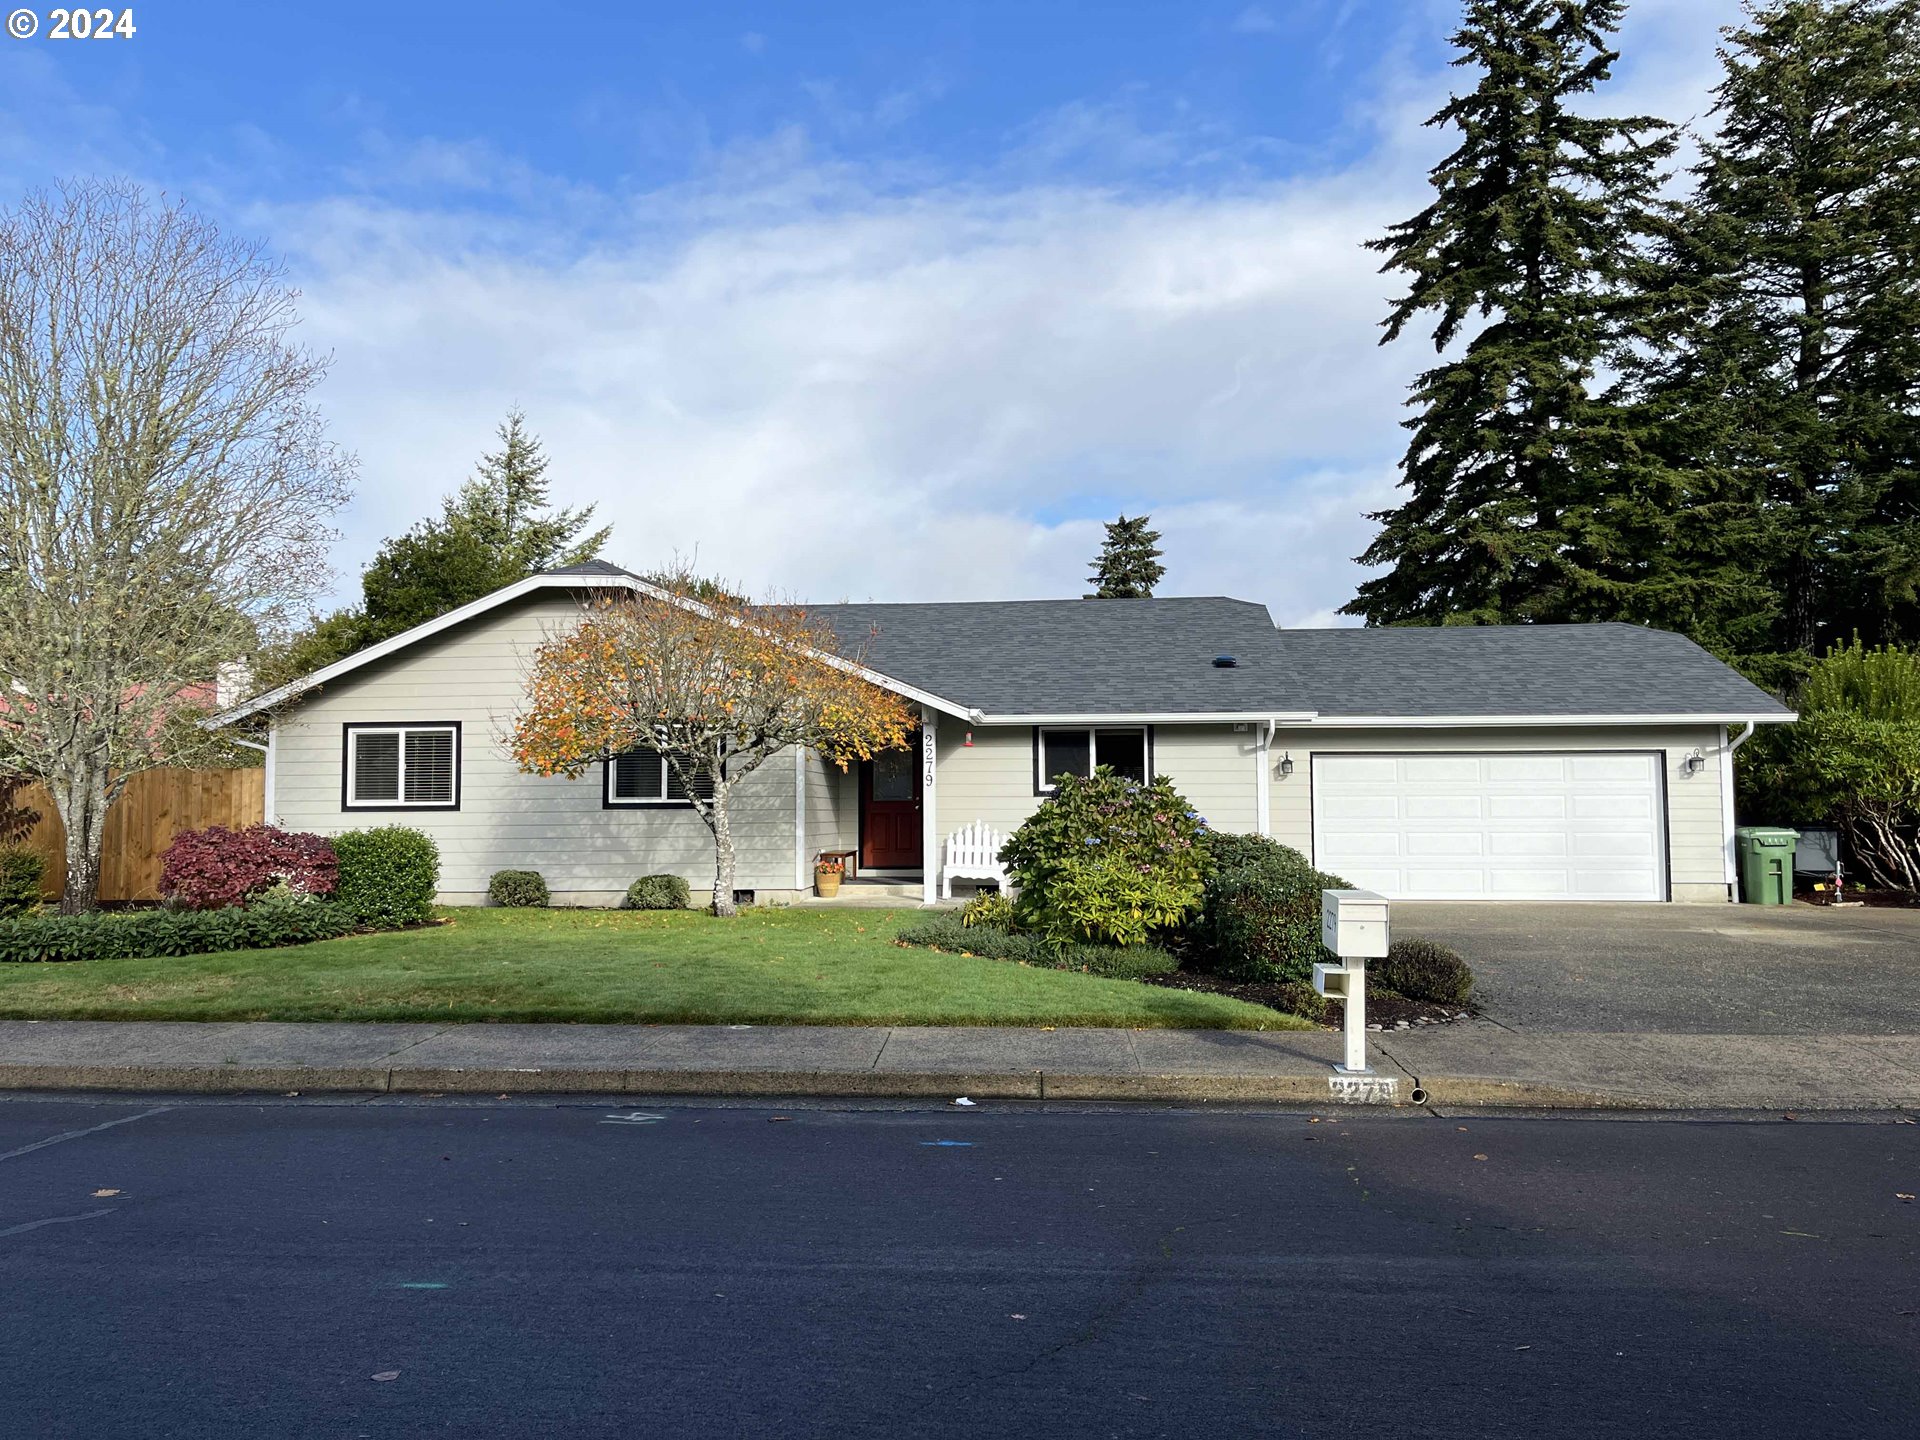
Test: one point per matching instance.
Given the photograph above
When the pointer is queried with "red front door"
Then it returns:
(890, 811)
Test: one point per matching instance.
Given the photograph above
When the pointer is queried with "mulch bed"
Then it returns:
(1385, 1011)
(1878, 899)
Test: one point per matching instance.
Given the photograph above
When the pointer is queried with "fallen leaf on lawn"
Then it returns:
(386, 1375)
(102, 1194)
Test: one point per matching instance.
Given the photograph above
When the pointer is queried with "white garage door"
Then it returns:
(1496, 826)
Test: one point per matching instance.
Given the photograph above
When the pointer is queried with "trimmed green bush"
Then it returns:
(1423, 970)
(21, 871)
(388, 875)
(143, 934)
(995, 942)
(519, 889)
(1107, 860)
(658, 892)
(1260, 912)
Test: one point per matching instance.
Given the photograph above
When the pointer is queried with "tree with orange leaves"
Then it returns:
(714, 684)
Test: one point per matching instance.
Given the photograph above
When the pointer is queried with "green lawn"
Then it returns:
(791, 966)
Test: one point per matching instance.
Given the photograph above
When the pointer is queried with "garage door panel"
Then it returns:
(1362, 770)
(1500, 825)
(1527, 807)
(1445, 842)
(1431, 769)
(1506, 769)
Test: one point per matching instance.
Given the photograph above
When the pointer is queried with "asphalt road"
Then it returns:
(1685, 969)
(299, 1268)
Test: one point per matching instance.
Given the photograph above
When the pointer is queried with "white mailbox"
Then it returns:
(1353, 924)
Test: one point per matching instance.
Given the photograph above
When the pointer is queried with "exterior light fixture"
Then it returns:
(1286, 764)
(968, 742)
(1693, 764)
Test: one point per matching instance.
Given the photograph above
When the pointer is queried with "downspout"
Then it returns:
(1263, 779)
(1727, 747)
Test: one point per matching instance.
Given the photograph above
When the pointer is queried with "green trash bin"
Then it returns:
(1766, 864)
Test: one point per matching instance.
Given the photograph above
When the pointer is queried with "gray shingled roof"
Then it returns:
(1607, 669)
(1076, 657)
(1155, 657)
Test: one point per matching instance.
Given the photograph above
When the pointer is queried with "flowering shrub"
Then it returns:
(1107, 860)
(216, 867)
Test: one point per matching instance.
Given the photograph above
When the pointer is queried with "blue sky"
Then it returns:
(843, 300)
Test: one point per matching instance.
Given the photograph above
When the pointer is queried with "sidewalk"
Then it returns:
(1468, 1064)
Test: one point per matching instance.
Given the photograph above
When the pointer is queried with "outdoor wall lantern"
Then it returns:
(1693, 764)
(1286, 765)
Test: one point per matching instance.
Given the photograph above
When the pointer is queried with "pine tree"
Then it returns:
(1128, 566)
(498, 528)
(1530, 243)
(1789, 335)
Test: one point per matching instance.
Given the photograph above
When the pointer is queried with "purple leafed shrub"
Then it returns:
(216, 867)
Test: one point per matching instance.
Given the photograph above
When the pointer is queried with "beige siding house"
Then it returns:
(1488, 763)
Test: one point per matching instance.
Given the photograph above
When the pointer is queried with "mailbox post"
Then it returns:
(1353, 925)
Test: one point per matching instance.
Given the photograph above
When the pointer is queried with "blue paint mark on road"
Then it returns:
(422, 1285)
(957, 1144)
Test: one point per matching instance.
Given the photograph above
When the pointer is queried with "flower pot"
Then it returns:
(826, 883)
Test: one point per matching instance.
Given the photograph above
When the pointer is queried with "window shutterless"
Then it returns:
(401, 767)
(1080, 749)
(644, 777)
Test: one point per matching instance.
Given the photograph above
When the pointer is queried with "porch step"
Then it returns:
(891, 894)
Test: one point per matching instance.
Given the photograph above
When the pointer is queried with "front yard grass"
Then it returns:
(769, 967)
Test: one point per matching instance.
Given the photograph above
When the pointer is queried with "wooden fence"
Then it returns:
(155, 806)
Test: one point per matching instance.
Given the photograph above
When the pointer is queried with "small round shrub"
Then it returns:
(216, 867)
(989, 907)
(1302, 1000)
(518, 889)
(388, 876)
(21, 871)
(1423, 970)
(658, 892)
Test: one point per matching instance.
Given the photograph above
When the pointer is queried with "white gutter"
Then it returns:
(1193, 717)
(1727, 747)
(1417, 722)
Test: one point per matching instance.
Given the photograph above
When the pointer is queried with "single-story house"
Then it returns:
(1535, 762)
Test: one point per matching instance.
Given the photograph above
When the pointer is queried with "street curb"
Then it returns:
(1298, 1089)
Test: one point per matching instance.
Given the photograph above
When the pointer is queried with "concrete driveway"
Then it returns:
(1685, 969)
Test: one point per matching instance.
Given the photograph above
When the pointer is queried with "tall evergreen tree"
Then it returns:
(1525, 254)
(499, 527)
(1786, 361)
(1128, 566)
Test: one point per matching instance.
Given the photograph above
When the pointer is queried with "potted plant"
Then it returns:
(827, 871)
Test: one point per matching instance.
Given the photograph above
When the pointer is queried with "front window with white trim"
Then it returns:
(402, 767)
(643, 776)
(1080, 749)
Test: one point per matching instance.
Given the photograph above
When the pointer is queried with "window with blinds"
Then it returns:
(402, 767)
(1079, 750)
(643, 777)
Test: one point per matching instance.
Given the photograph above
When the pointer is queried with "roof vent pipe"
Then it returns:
(1224, 662)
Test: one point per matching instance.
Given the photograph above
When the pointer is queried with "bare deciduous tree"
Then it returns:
(165, 484)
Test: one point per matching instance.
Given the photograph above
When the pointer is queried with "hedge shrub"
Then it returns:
(388, 875)
(141, 934)
(1423, 970)
(216, 867)
(994, 942)
(518, 889)
(658, 892)
(989, 907)
(1107, 860)
(21, 871)
(1260, 913)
